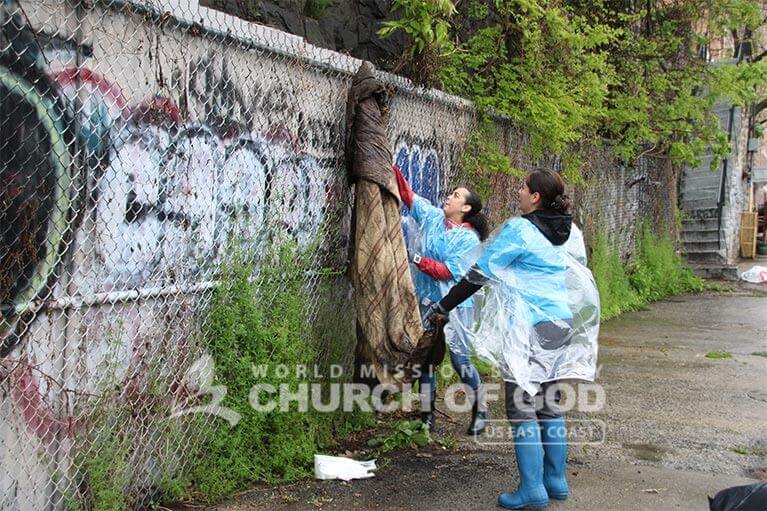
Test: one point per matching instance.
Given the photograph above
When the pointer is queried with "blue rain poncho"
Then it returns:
(428, 235)
(540, 317)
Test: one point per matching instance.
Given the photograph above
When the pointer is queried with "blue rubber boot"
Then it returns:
(530, 494)
(554, 439)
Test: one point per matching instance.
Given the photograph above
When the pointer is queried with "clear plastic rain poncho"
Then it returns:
(426, 234)
(540, 318)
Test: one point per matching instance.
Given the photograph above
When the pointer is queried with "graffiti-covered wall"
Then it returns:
(139, 145)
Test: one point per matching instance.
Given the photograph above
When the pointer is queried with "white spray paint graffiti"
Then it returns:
(243, 190)
(314, 189)
(168, 205)
(193, 166)
(129, 229)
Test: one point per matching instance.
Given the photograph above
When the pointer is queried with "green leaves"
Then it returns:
(425, 21)
(654, 272)
(404, 434)
(261, 319)
(541, 66)
(728, 15)
(569, 70)
(657, 270)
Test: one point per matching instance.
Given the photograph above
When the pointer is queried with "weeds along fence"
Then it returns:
(142, 142)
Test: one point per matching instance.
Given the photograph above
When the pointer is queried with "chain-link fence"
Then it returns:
(138, 140)
(611, 198)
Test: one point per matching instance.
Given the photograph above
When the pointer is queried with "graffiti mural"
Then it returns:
(169, 193)
(169, 202)
(121, 191)
(420, 166)
(35, 177)
(99, 107)
(129, 222)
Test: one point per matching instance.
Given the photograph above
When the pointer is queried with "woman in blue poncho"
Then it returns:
(530, 333)
(449, 236)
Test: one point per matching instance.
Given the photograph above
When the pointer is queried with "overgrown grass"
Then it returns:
(263, 321)
(654, 272)
(127, 426)
(290, 314)
(103, 468)
(616, 294)
(658, 270)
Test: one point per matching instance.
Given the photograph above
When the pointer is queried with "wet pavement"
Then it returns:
(679, 426)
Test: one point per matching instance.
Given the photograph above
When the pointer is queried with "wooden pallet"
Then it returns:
(748, 227)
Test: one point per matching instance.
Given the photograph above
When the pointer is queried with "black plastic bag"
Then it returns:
(751, 497)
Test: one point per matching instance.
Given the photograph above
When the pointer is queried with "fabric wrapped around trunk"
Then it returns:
(390, 336)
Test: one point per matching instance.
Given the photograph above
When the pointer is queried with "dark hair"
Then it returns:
(550, 186)
(475, 217)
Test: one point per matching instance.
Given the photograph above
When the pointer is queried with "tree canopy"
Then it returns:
(638, 74)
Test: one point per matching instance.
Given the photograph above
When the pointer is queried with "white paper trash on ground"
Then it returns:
(756, 275)
(338, 467)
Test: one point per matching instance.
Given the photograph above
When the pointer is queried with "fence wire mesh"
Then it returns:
(138, 140)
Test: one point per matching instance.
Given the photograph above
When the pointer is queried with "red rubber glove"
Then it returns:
(434, 269)
(405, 192)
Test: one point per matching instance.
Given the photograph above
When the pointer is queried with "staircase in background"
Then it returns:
(702, 191)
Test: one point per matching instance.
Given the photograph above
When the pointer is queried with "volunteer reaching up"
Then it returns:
(447, 237)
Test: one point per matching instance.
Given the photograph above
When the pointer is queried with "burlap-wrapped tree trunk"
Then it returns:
(389, 332)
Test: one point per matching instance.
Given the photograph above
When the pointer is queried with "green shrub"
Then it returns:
(658, 270)
(126, 429)
(103, 467)
(264, 321)
(616, 294)
(248, 328)
(654, 272)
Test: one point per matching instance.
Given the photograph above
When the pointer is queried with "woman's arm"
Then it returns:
(454, 255)
(459, 293)
(421, 209)
(405, 192)
(501, 252)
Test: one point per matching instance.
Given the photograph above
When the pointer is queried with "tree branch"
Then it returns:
(759, 57)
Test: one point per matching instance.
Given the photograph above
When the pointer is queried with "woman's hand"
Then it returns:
(433, 309)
